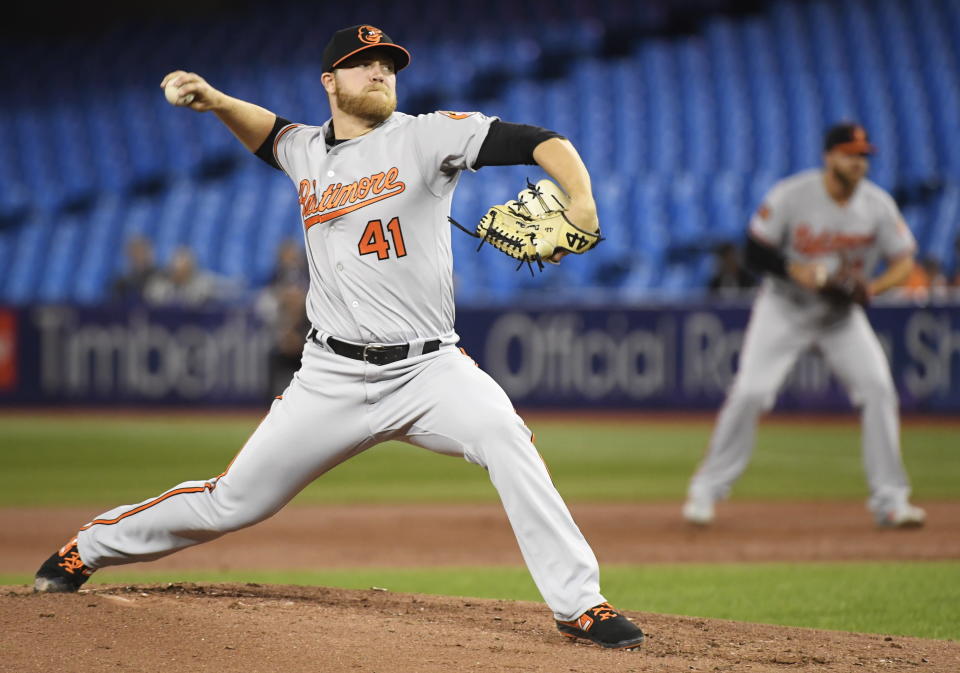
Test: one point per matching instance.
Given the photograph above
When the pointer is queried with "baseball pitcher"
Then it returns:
(373, 188)
(819, 235)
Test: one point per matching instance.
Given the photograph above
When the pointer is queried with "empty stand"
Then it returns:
(683, 131)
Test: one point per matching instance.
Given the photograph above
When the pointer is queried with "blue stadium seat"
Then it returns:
(613, 193)
(14, 193)
(697, 110)
(652, 226)
(102, 238)
(759, 185)
(659, 76)
(27, 261)
(734, 123)
(233, 248)
(676, 280)
(687, 216)
(945, 227)
(916, 218)
(169, 218)
(61, 259)
(726, 207)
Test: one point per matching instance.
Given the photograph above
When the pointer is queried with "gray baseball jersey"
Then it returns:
(374, 212)
(800, 219)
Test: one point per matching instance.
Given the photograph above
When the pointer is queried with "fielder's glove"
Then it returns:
(845, 287)
(533, 227)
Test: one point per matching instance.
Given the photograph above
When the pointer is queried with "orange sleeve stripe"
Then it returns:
(156, 501)
(276, 141)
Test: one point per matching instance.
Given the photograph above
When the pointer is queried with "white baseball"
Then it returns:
(172, 94)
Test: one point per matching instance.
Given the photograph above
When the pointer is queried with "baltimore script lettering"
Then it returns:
(808, 242)
(339, 199)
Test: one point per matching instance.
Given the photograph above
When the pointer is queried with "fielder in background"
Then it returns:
(380, 360)
(818, 235)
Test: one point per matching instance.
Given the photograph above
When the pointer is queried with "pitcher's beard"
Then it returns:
(372, 109)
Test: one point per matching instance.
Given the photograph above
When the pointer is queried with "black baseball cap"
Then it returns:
(848, 138)
(349, 41)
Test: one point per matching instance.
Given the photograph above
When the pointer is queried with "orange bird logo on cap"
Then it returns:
(370, 35)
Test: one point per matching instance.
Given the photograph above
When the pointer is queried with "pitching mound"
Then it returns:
(224, 627)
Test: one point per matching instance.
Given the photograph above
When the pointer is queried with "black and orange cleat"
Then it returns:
(605, 626)
(63, 572)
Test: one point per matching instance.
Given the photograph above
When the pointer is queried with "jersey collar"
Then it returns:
(330, 137)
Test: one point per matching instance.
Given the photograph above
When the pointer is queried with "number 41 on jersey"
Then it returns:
(374, 239)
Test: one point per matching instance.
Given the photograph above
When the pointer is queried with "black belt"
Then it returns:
(375, 355)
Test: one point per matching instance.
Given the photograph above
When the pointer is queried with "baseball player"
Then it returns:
(380, 361)
(818, 235)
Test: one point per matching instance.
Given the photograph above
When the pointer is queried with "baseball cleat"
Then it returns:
(905, 516)
(698, 512)
(604, 626)
(63, 572)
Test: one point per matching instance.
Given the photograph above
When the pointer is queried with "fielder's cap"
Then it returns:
(349, 41)
(848, 138)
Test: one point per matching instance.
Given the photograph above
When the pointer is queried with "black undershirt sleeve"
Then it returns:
(761, 257)
(265, 151)
(509, 144)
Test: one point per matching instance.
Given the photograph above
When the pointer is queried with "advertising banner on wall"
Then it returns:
(603, 358)
(69, 355)
(685, 357)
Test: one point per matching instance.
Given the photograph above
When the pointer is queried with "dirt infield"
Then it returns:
(298, 629)
(431, 535)
(280, 628)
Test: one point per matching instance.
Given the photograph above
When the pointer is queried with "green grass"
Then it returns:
(910, 599)
(72, 460)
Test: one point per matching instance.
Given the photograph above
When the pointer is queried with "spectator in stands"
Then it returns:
(282, 306)
(184, 285)
(141, 271)
(730, 276)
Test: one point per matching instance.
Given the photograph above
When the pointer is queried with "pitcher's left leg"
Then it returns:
(855, 354)
(453, 407)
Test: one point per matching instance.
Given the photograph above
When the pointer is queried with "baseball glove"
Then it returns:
(845, 287)
(533, 227)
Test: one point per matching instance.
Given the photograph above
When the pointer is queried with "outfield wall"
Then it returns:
(602, 358)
